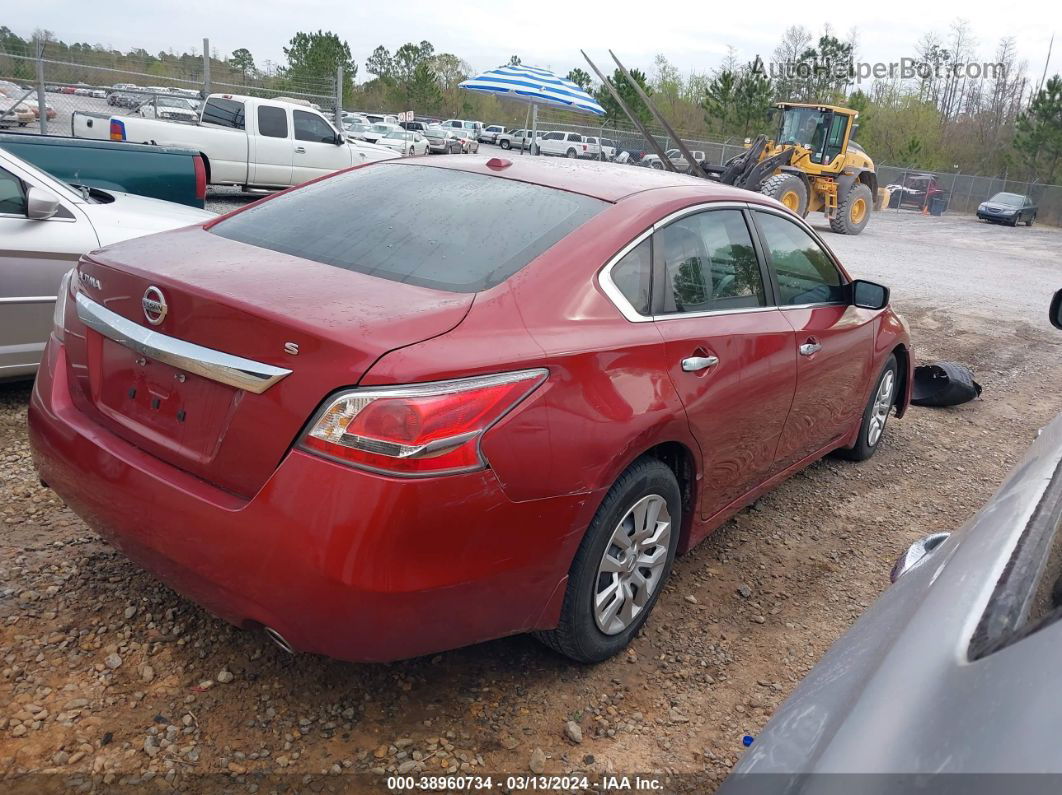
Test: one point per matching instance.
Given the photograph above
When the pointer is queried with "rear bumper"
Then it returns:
(340, 562)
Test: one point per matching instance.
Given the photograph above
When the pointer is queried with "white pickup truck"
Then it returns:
(246, 141)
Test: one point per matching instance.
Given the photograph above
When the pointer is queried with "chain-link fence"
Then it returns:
(962, 193)
(43, 95)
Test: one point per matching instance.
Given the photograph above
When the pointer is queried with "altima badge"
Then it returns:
(154, 303)
(88, 280)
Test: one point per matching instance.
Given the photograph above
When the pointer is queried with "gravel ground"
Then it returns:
(108, 677)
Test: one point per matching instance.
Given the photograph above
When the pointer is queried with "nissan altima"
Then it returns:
(379, 430)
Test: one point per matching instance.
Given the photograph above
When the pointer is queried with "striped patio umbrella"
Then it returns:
(534, 86)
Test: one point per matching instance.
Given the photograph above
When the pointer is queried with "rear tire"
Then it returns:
(606, 582)
(571, 154)
(853, 211)
(506, 144)
(1030, 221)
(790, 190)
(876, 414)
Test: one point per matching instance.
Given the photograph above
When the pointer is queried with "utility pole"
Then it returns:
(339, 97)
(42, 106)
(206, 68)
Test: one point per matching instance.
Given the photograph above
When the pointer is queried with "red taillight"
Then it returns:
(200, 177)
(421, 429)
(117, 130)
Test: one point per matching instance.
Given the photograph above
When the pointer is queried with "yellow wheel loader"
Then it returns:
(811, 164)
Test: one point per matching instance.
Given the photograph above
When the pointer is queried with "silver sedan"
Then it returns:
(45, 226)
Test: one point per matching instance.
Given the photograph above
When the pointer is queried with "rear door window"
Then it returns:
(709, 264)
(433, 227)
(272, 121)
(224, 113)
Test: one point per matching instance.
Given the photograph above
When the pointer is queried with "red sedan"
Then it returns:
(425, 403)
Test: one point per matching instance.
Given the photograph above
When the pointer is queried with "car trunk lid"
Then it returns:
(325, 326)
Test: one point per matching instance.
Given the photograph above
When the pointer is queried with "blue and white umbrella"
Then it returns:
(535, 86)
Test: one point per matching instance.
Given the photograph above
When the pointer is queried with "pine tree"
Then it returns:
(1038, 139)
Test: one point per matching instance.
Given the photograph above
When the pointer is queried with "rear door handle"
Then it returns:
(694, 364)
(300, 150)
(809, 348)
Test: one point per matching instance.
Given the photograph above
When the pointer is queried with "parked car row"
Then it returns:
(15, 111)
(556, 143)
(411, 138)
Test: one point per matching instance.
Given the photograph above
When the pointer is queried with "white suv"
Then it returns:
(563, 144)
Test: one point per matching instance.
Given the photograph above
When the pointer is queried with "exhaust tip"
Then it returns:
(278, 640)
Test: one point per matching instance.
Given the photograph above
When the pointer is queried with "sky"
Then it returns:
(693, 35)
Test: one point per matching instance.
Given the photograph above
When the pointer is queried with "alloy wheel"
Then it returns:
(632, 565)
(882, 405)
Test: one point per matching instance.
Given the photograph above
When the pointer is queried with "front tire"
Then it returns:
(621, 565)
(853, 212)
(876, 414)
(790, 190)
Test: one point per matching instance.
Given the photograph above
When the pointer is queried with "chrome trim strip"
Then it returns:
(696, 208)
(28, 299)
(745, 310)
(225, 368)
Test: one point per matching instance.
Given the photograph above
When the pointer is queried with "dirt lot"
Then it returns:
(109, 677)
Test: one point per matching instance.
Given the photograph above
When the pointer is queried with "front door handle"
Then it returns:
(809, 348)
(300, 150)
(694, 364)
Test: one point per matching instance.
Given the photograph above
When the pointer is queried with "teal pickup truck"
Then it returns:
(161, 172)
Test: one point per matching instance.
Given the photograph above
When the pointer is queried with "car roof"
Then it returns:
(606, 181)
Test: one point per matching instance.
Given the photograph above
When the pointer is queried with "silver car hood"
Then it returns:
(132, 216)
(899, 694)
(372, 152)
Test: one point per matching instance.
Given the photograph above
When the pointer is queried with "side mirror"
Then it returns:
(1056, 310)
(868, 295)
(340, 140)
(41, 204)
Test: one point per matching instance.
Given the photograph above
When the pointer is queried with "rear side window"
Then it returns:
(272, 122)
(433, 227)
(709, 263)
(224, 113)
(633, 275)
(804, 271)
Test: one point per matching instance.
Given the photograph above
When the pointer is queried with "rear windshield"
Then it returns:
(433, 227)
